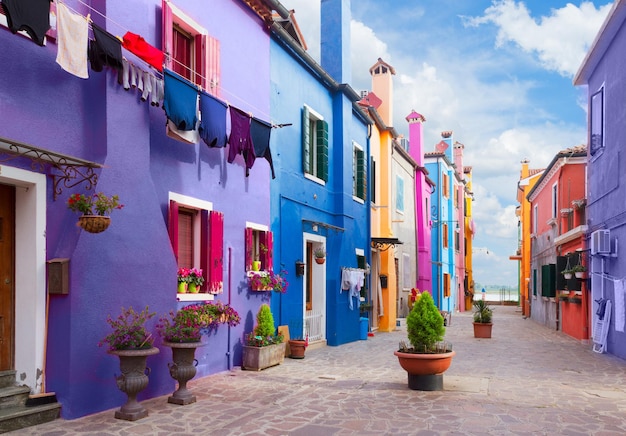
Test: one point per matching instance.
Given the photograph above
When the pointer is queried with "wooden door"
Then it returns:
(7, 262)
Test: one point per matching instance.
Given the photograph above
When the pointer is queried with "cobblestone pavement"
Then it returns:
(526, 380)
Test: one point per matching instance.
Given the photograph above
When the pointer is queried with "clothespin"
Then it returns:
(88, 18)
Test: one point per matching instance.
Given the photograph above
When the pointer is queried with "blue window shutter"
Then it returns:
(306, 146)
(322, 149)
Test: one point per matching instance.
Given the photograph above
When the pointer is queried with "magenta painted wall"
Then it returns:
(132, 263)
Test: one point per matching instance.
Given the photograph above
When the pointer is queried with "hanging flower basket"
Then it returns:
(94, 223)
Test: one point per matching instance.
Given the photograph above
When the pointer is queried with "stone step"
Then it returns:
(18, 417)
(7, 378)
(13, 396)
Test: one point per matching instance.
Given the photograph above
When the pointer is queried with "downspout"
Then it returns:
(228, 354)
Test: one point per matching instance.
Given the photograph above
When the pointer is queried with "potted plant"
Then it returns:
(297, 347)
(268, 281)
(579, 271)
(482, 319)
(132, 343)
(195, 280)
(263, 346)
(182, 331)
(95, 210)
(567, 274)
(183, 280)
(428, 356)
(320, 255)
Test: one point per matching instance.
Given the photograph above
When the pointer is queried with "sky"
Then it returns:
(498, 73)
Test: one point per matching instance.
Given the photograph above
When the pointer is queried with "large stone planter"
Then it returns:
(182, 370)
(482, 330)
(258, 358)
(132, 381)
(425, 371)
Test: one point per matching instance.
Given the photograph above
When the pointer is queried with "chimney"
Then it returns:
(335, 39)
(416, 137)
(382, 86)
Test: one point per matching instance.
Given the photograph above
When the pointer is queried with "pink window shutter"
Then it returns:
(249, 236)
(167, 33)
(216, 252)
(212, 70)
(201, 62)
(204, 246)
(173, 227)
(267, 239)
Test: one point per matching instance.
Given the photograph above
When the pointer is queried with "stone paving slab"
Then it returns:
(525, 380)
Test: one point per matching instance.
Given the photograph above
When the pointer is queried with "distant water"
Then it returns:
(497, 295)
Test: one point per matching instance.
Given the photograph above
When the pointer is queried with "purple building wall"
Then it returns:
(602, 72)
(132, 263)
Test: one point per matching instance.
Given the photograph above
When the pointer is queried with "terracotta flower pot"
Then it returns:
(482, 329)
(297, 348)
(425, 371)
(320, 260)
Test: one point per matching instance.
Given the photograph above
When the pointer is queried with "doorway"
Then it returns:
(7, 277)
(313, 320)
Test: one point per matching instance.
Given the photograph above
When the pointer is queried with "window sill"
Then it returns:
(314, 178)
(358, 200)
(201, 296)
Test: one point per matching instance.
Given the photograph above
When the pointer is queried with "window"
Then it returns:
(197, 238)
(189, 50)
(359, 172)
(445, 186)
(314, 144)
(406, 272)
(446, 284)
(373, 180)
(457, 240)
(259, 247)
(555, 201)
(596, 119)
(535, 217)
(444, 234)
(399, 194)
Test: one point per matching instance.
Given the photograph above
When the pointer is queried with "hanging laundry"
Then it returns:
(180, 101)
(186, 136)
(138, 46)
(123, 75)
(156, 98)
(72, 39)
(260, 132)
(104, 50)
(213, 121)
(239, 140)
(148, 81)
(32, 16)
(352, 281)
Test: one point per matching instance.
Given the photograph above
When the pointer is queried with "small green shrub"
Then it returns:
(264, 322)
(425, 324)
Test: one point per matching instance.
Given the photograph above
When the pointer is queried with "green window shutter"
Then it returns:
(535, 282)
(548, 280)
(322, 149)
(373, 180)
(306, 138)
(361, 174)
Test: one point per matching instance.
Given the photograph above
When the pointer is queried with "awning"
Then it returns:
(384, 244)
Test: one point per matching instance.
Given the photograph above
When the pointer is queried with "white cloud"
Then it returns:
(559, 41)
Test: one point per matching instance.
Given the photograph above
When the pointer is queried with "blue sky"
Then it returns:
(498, 73)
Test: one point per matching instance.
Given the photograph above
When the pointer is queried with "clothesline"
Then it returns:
(206, 79)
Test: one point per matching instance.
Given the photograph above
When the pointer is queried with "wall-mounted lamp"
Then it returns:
(299, 268)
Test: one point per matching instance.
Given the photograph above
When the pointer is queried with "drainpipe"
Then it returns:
(228, 354)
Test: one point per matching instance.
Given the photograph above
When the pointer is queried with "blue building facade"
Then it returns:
(319, 198)
(443, 220)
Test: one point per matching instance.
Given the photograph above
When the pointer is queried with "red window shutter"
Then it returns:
(173, 227)
(212, 65)
(249, 236)
(216, 252)
(167, 32)
(204, 245)
(267, 239)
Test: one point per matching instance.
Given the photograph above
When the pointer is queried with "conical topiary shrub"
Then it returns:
(425, 325)
(264, 322)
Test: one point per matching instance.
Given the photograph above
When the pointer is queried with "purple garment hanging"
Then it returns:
(239, 140)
